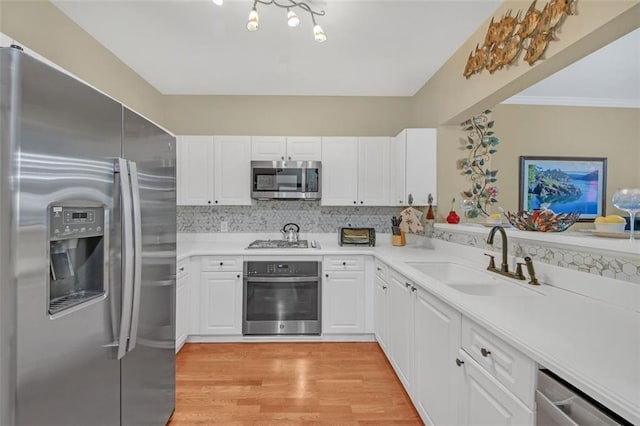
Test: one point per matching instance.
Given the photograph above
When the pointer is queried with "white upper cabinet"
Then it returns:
(339, 171)
(414, 167)
(373, 171)
(355, 171)
(268, 148)
(232, 170)
(195, 170)
(214, 170)
(290, 148)
(301, 148)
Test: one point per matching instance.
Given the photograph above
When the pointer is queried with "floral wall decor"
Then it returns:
(509, 36)
(480, 144)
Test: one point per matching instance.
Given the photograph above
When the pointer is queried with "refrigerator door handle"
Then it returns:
(137, 244)
(127, 256)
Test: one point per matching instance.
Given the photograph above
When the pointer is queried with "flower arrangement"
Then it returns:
(480, 144)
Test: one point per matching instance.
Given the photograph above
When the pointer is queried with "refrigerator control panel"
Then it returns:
(75, 222)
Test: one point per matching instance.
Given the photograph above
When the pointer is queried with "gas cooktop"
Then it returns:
(278, 244)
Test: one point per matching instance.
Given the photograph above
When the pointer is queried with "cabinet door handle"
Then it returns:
(209, 201)
(216, 201)
(289, 158)
(326, 275)
(384, 287)
(379, 269)
(361, 202)
(282, 158)
(355, 202)
(221, 263)
(414, 288)
(459, 362)
(238, 276)
(181, 269)
(344, 263)
(407, 285)
(485, 353)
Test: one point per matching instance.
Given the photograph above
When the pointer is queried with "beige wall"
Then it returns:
(451, 98)
(566, 131)
(288, 115)
(43, 28)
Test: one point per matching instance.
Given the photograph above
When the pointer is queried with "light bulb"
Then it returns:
(218, 2)
(319, 34)
(292, 19)
(254, 19)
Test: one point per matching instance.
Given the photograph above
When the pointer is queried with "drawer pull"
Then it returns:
(407, 285)
(326, 275)
(485, 353)
(221, 263)
(459, 362)
(238, 276)
(181, 269)
(384, 287)
(414, 289)
(344, 263)
(379, 268)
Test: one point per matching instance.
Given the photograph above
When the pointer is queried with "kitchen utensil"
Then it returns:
(290, 232)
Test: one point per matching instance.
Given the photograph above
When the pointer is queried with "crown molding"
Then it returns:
(573, 101)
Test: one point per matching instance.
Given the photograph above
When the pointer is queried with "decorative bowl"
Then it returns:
(542, 220)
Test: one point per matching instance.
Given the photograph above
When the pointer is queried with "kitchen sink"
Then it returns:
(472, 281)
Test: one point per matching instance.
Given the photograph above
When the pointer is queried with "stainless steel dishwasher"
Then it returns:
(561, 404)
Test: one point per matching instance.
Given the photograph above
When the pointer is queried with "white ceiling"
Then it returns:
(608, 77)
(374, 47)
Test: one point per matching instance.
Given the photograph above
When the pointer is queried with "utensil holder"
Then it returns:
(399, 240)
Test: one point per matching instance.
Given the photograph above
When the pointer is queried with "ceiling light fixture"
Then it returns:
(254, 19)
(292, 19)
(218, 2)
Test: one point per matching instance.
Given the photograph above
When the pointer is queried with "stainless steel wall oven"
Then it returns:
(281, 298)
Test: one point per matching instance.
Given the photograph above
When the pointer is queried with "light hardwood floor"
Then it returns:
(288, 383)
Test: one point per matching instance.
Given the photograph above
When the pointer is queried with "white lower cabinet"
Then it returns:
(381, 312)
(401, 328)
(182, 303)
(437, 341)
(455, 371)
(343, 302)
(221, 303)
(484, 401)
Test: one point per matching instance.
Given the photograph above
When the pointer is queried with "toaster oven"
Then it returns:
(357, 237)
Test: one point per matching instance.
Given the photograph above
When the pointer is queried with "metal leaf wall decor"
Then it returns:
(530, 31)
(480, 144)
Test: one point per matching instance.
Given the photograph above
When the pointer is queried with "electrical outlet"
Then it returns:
(224, 227)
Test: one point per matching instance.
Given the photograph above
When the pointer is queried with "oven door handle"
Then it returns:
(281, 279)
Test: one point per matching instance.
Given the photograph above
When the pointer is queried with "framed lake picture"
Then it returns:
(564, 185)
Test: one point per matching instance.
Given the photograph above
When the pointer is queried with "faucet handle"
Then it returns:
(518, 274)
(531, 270)
(492, 261)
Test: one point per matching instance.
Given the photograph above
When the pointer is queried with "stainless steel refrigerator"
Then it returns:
(87, 254)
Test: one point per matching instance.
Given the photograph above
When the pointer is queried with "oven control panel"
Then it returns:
(282, 269)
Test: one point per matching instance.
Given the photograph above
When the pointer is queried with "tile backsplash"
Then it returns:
(625, 268)
(270, 216)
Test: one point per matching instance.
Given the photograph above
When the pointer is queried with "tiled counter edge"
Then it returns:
(610, 258)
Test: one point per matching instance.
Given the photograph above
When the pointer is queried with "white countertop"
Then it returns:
(592, 344)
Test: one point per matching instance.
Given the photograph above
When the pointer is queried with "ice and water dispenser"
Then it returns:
(77, 255)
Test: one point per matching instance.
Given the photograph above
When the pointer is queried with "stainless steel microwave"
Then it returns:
(286, 180)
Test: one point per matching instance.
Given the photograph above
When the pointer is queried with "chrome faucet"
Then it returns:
(504, 267)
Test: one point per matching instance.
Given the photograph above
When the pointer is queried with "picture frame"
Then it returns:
(564, 185)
